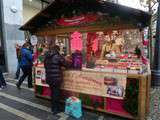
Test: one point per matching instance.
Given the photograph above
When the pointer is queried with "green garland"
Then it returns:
(131, 97)
(39, 89)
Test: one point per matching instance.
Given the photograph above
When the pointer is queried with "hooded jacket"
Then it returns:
(26, 57)
(53, 62)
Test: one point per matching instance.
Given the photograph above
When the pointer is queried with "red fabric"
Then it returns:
(77, 20)
(90, 42)
(35, 58)
(95, 45)
(115, 105)
(145, 38)
(145, 42)
(97, 98)
(144, 60)
(46, 91)
(76, 41)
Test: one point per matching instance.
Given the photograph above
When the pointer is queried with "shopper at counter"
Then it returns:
(53, 62)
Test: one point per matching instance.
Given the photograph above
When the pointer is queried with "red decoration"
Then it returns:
(46, 91)
(145, 42)
(145, 38)
(77, 20)
(95, 45)
(144, 60)
(76, 41)
(90, 42)
(114, 105)
(35, 57)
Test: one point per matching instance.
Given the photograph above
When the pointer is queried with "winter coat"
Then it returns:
(53, 63)
(26, 57)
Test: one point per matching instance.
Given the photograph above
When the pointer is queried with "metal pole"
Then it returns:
(156, 65)
(3, 34)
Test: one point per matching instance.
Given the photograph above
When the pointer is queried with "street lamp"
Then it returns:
(156, 65)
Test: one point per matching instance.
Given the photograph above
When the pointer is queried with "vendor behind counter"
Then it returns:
(110, 47)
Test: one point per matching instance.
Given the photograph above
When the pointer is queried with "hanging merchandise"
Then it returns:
(91, 44)
(145, 44)
(145, 37)
(95, 45)
(76, 41)
(144, 60)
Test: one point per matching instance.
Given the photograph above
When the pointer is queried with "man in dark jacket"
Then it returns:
(53, 62)
(26, 65)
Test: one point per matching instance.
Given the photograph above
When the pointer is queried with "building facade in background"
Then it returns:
(13, 14)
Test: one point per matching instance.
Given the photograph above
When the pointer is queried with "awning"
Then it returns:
(60, 8)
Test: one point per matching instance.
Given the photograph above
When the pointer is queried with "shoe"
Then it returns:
(54, 112)
(16, 78)
(30, 86)
(3, 87)
(18, 86)
(0, 88)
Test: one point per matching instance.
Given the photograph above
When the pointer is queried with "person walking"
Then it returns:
(53, 64)
(2, 80)
(18, 53)
(26, 65)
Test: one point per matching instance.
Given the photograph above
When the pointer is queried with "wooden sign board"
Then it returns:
(93, 83)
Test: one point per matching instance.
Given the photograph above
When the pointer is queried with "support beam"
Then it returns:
(156, 65)
(45, 1)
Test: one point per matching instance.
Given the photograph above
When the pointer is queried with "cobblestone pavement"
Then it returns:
(23, 105)
(154, 104)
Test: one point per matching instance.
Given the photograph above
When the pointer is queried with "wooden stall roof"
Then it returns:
(60, 7)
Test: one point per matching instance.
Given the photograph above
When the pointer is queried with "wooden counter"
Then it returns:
(88, 82)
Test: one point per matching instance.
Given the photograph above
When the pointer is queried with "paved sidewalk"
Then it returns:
(23, 105)
(155, 104)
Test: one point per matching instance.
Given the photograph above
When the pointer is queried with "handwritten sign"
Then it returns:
(81, 82)
(93, 83)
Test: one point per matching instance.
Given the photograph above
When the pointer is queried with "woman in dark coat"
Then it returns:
(53, 63)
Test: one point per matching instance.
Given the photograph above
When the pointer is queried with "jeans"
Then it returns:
(55, 98)
(27, 72)
(2, 80)
(18, 70)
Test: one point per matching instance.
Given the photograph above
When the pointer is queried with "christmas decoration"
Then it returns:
(90, 42)
(131, 97)
(76, 41)
(77, 20)
(145, 38)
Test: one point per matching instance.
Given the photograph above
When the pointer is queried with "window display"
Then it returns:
(116, 51)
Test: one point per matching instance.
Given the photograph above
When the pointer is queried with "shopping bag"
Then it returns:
(73, 107)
